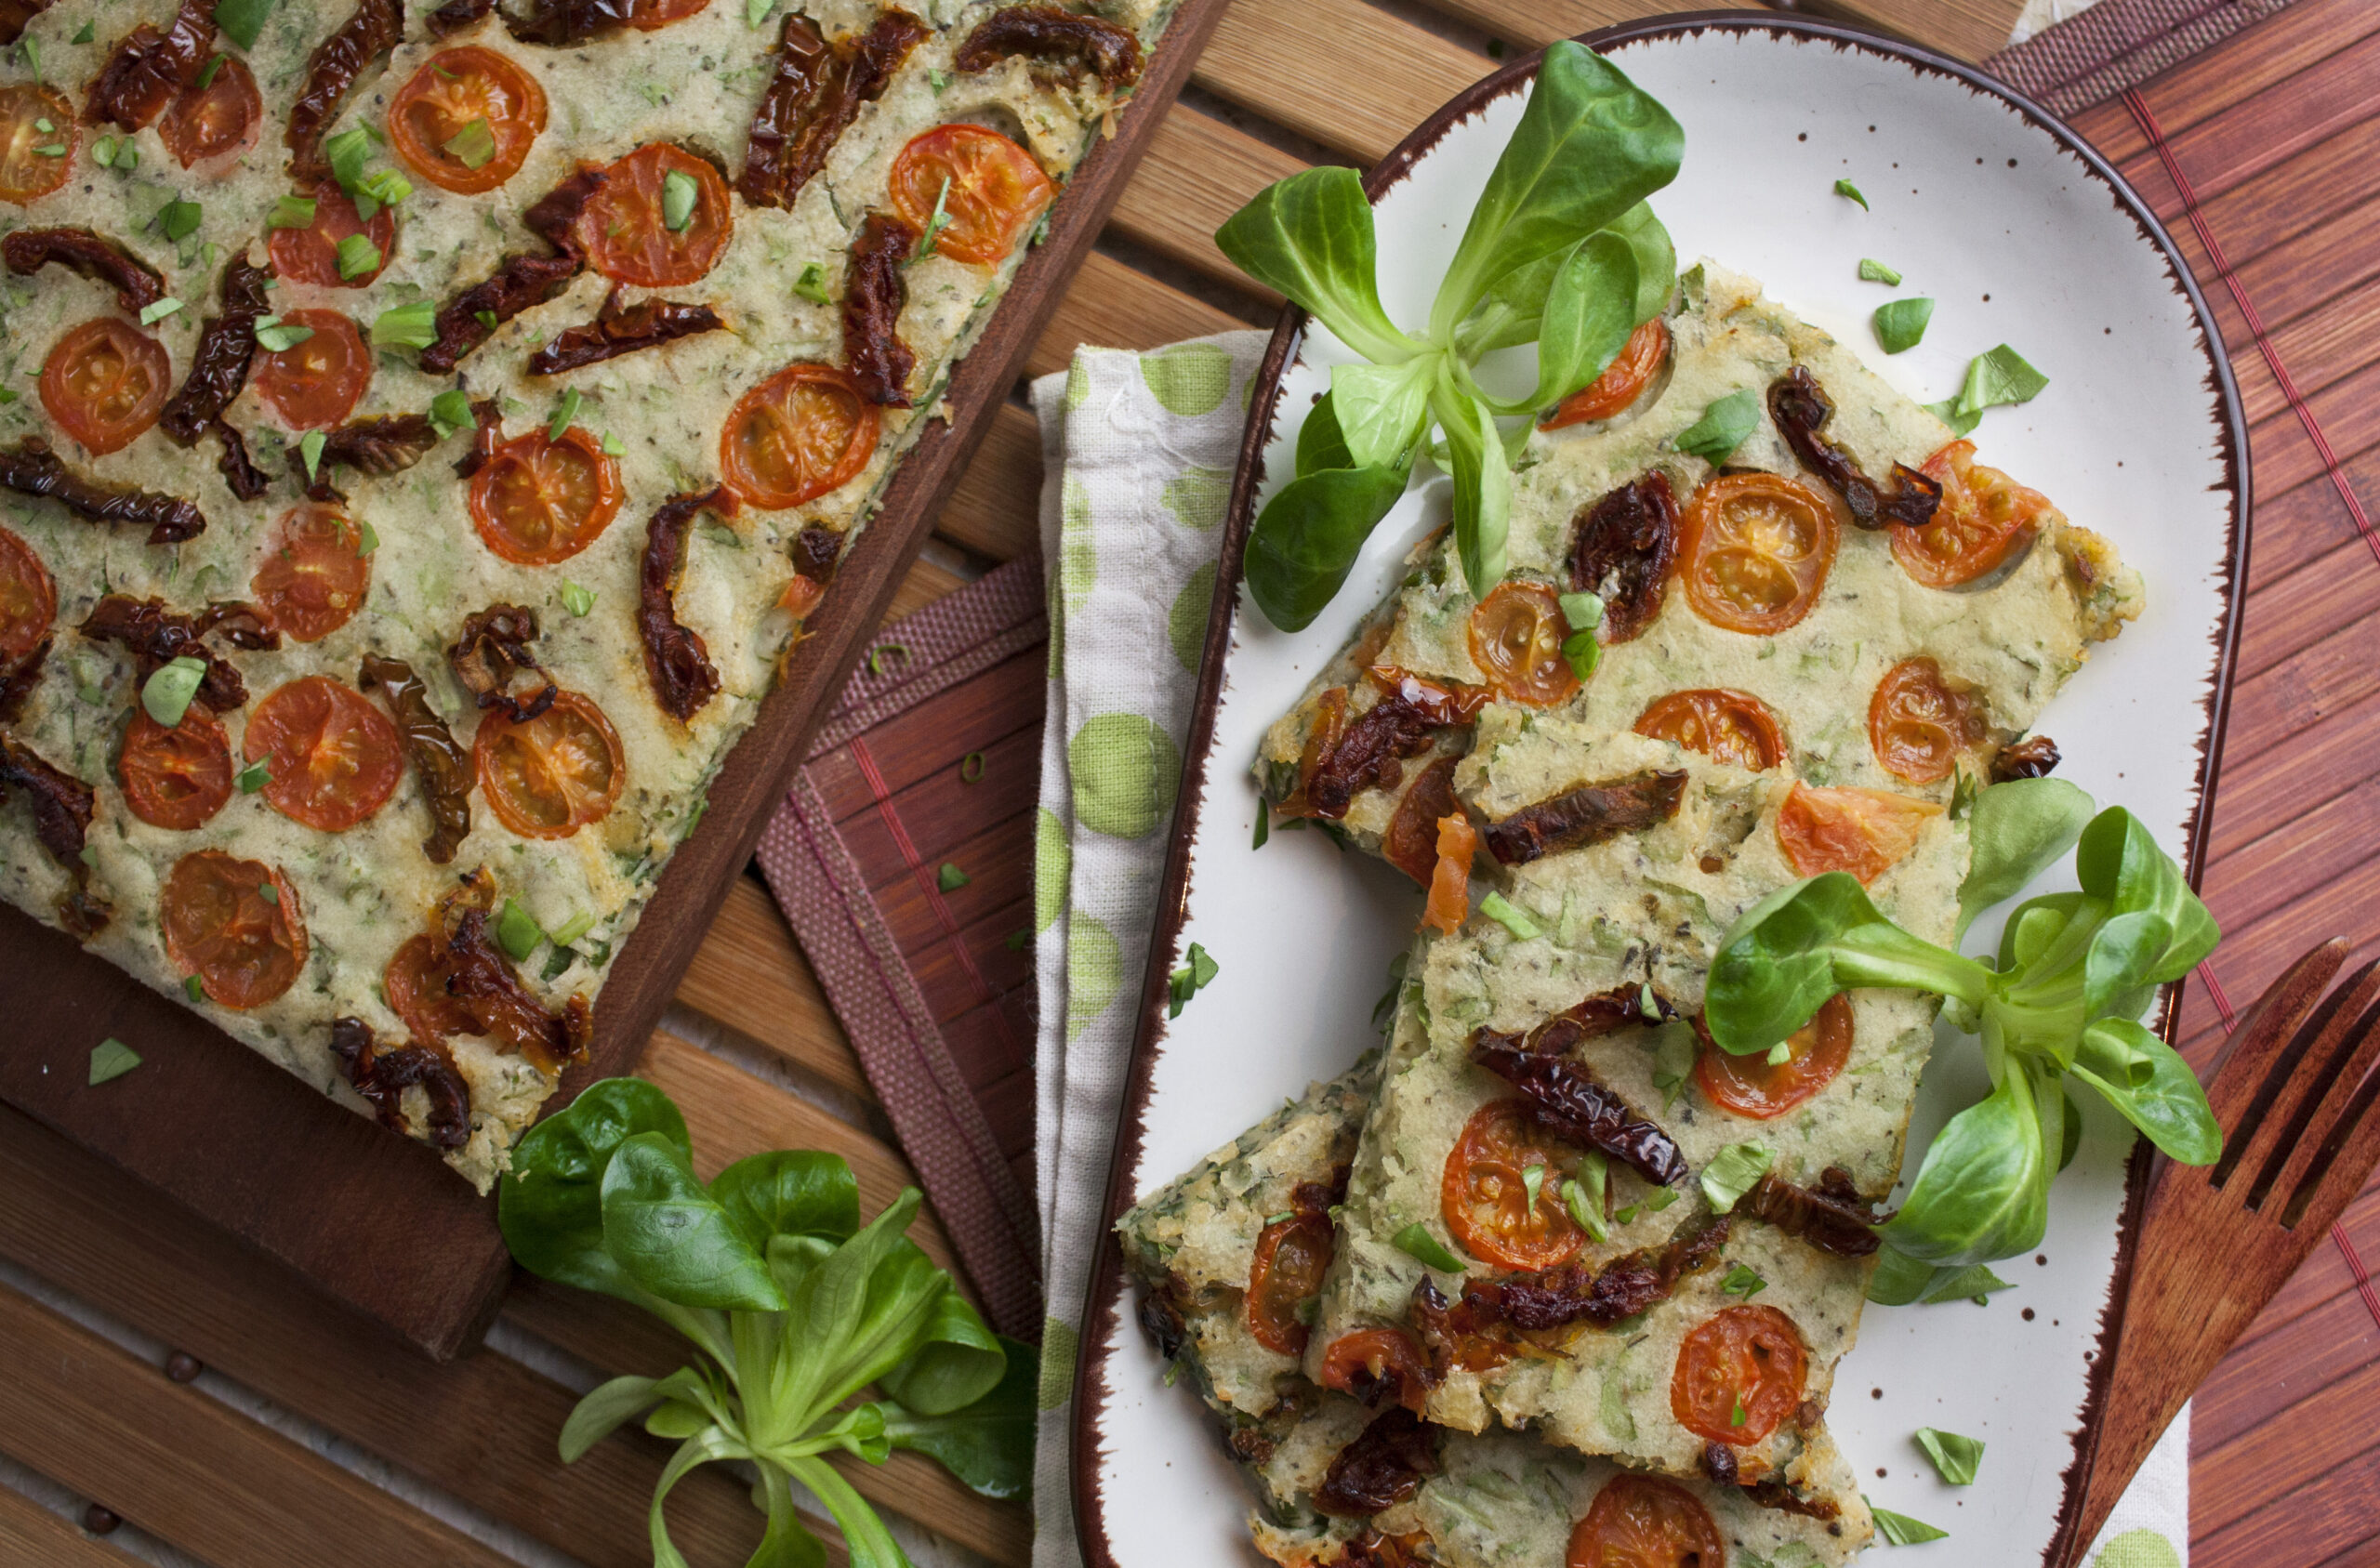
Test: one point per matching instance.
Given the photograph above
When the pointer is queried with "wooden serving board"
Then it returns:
(376, 1220)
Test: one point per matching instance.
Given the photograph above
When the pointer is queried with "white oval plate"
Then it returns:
(2022, 236)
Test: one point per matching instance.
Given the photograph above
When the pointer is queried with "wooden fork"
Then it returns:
(2294, 1095)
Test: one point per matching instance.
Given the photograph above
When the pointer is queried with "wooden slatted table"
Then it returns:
(97, 1277)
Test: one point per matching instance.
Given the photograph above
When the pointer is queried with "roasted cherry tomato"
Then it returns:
(1639, 360)
(332, 757)
(553, 775)
(1291, 1257)
(1984, 515)
(315, 573)
(222, 119)
(1750, 1086)
(310, 255)
(105, 383)
(539, 501)
(1724, 725)
(996, 191)
(803, 432)
(178, 778)
(802, 596)
(1485, 1191)
(33, 162)
(235, 925)
(1449, 903)
(415, 983)
(1865, 832)
(1918, 724)
(1739, 1376)
(1517, 636)
(28, 598)
(625, 227)
(1412, 842)
(1756, 551)
(1370, 1361)
(652, 14)
(467, 119)
(314, 384)
(1638, 1521)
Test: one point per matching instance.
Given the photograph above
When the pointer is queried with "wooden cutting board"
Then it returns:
(379, 1222)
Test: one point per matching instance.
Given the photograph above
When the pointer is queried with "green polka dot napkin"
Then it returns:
(1137, 458)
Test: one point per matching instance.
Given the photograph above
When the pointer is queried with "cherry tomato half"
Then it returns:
(1639, 360)
(1756, 551)
(1918, 725)
(1738, 1375)
(332, 757)
(1291, 1257)
(1485, 1191)
(106, 382)
(803, 432)
(539, 501)
(235, 925)
(650, 15)
(310, 255)
(467, 119)
(996, 191)
(1412, 842)
(1983, 517)
(28, 598)
(33, 162)
(553, 775)
(1371, 1360)
(624, 229)
(316, 383)
(415, 983)
(220, 120)
(1750, 1086)
(1724, 725)
(175, 779)
(315, 573)
(1638, 1521)
(1450, 902)
(1516, 635)
(1865, 832)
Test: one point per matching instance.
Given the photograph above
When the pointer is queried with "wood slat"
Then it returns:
(31, 1534)
(925, 583)
(2261, 1380)
(1196, 173)
(2260, 58)
(2329, 1516)
(1969, 29)
(1533, 24)
(481, 1427)
(1113, 307)
(2329, 1427)
(749, 976)
(195, 1473)
(996, 509)
(1339, 72)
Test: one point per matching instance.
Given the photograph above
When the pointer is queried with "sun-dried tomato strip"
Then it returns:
(1771, 1493)
(227, 346)
(618, 330)
(2034, 757)
(472, 317)
(384, 444)
(675, 659)
(487, 433)
(61, 803)
(562, 23)
(816, 90)
(483, 980)
(815, 551)
(239, 470)
(1801, 409)
(1831, 1216)
(1383, 1467)
(442, 766)
(457, 15)
(1569, 1098)
(1626, 545)
(494, 648)
(18, 679)
(137, 284)
(338, 61)
(1368, 751)
(148, 68)
(382, 1077)
(155, 635)
(1486, 1326)
(874, 291)
(17, 15)
(30, 468)
(1589, 814)
(1059, 37)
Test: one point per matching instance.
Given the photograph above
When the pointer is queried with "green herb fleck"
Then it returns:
(1874, 271)
(811, 285)
(950, 878)
(178, 219)
(559, 425)
(83, 35)
(573, 929)
(450, 411)
(1416, 1242)
(269, 892)
(881, 655)
(487, 319)
(970, 768)
(358, 258)
(166, 694)
(1264, 825)
(1189, 980)
(152, 314)
(413, 325)
(194, 988)
(103, 151)
(1733, 1172)
(1582, 611)
(575, 599)
(679, 194)
(1510, 916)
(273, 335)
(474, 145)
(255, 776)
(311, 449)
(1743, 1282)
(1738, 1419)
(291, 212)
(757, 11)
(1723, 425)
(1583, 653)
(242, 21)
(1900, 323)
(517, 930)
(206, 73)
(113, 1059)
(612, 445)
(938, 80)
(937, 222)
(1585, 1196)
(1844, 188)
(1900, 1530)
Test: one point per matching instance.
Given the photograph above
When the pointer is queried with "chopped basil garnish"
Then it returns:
(1510, 916)
(560, 425)
(1743, 1282)
(1902, 324)
(1662, 1197)
(474, 145)
(358, 258)
(757, 11)
(939, 221)
(1844, 188)
(367, 539)
(1734, 1171)
(166, 694)
(269, 892)
(950, 878)
(1582, 611)
(241, 21)
(83, 35)
(54, 149)
(1994, 378)
(206, 73)
(152, 314)
(311, 449)
(612, 445)
(573, 929)
(255, 776)
(273, 335)
(1723, 425)
(408, 326)
(103, 151)
(1416, 1242)
(1738, 1419)
(113, 1059)
(1264, 825)
(178, 219)
(194, 988)
(291, 212)
(345, 152)
(487, 319)
(1955, 1457)
(1874, 271)
(577, 599)
(387, 187)
(1902, 1531)
(517, 931)
(1780, 1054)
(1189, 980)
(678, 194)
(1583, 1195)
(811, 285)
(450, 411)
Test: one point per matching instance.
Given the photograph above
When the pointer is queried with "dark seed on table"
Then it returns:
(183, 1367)
(98, 1519)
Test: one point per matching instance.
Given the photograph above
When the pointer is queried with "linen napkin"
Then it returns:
(1138, 451)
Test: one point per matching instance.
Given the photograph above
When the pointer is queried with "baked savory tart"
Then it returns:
(1229, 1257)
(424, 433)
